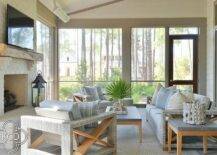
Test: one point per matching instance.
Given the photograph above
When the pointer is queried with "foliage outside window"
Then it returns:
(147, 61)
(88, 57)
(44, 46)
(183, 59)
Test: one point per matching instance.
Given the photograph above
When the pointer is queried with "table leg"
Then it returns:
(140, 131)
(204, 144)
(179, 144)
(169, 136)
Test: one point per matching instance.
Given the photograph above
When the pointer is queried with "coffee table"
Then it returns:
(131, 118)
(182, 129)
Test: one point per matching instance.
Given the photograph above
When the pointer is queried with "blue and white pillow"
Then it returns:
(163, 95)
(100, 93)
(91, 92)
(89, 109)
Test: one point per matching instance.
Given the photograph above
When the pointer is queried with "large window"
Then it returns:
(44, 46)
(88, 57)
(147, 61)
(94, 57)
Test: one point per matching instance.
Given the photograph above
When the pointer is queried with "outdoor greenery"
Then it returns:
(142, 89)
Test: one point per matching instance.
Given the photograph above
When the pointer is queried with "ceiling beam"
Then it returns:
(95, 7)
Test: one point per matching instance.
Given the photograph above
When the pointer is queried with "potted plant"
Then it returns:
(118, 90)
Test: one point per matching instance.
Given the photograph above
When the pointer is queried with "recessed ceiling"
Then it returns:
(76, 5)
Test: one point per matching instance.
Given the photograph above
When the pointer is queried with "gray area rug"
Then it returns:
(128, 143)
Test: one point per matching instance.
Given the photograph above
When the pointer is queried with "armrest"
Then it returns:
(43, 124)
(41, 118)
(88, 120)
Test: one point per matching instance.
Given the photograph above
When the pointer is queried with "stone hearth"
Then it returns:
(17, 66)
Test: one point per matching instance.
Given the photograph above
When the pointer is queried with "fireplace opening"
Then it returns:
(10, 100)
(15, 91)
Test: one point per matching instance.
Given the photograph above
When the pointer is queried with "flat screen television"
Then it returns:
(20, 29)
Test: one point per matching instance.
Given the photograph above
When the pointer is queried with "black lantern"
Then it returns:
(38, 90)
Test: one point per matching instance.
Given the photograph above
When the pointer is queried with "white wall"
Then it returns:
(210, 49)
(148, 9)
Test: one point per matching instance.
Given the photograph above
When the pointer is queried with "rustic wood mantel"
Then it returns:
(8, 51)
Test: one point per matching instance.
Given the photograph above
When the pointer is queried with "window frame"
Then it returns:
(194, 81)
(127, 24)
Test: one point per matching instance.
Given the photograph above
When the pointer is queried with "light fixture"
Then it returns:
(56, 8)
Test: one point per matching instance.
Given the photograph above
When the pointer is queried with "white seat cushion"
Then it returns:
(54, 113)
(69, 107)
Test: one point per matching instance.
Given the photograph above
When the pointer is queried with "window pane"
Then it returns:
(185, 87)
(148, 54)
(44, 46)
(90, 54)
(88, 57)
(140, 90)
(184, 30)
(183, 59)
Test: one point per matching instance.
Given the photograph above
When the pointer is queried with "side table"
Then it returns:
(182, 129)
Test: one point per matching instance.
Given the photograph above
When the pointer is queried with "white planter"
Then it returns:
(194, 113)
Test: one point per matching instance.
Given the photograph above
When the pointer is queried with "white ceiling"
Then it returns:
(76, 5)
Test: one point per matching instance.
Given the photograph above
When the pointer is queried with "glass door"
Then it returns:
(183, 61)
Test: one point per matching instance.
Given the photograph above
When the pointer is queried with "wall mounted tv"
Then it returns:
(20, 29)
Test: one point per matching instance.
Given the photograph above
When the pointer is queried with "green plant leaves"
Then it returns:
(119, 89)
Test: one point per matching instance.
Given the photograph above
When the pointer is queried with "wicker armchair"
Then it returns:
(66, 133)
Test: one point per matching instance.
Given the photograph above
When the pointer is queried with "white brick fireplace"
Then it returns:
(17, 71)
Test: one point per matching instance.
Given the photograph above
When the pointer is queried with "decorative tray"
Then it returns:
(123, 112)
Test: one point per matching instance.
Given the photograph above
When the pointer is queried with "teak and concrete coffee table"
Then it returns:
(182, 129)
(131, 118)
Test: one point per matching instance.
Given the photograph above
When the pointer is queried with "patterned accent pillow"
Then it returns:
(163, 95)
(89, 109)
(91, 92)
(100, 93)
